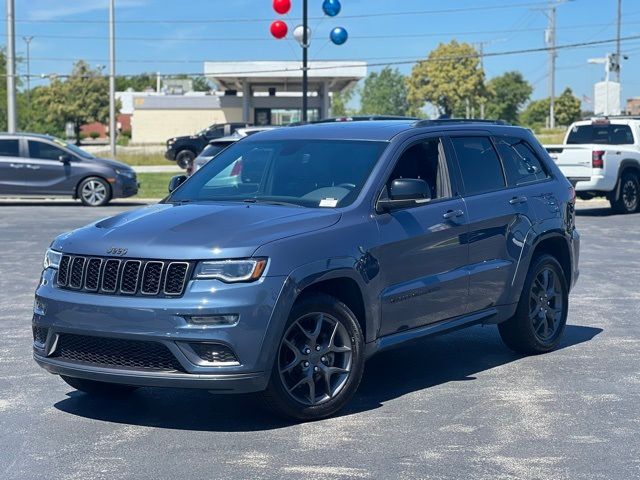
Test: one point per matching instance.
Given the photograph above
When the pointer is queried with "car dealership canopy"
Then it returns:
(262, 87)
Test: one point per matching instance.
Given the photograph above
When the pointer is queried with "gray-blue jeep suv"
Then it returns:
(295, 255)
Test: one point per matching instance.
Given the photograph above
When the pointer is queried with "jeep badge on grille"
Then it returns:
(117, 251)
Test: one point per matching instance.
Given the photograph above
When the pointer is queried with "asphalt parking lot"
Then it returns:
(455, 406)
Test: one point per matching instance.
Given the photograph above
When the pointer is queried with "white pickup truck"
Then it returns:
(601, 157)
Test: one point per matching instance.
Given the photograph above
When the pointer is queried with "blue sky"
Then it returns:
(172, 36)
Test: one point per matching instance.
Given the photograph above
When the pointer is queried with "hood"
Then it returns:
(111, 163)
(194, 231)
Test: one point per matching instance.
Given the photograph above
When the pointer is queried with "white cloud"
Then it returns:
(54, 9)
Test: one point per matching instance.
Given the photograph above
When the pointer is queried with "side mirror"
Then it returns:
(176, 181)
(403, 193)
(64, 158)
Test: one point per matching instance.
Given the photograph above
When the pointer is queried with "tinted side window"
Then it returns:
(521, 164)
(426, 161)
(44, 151)
(479, 163)
(9, 148)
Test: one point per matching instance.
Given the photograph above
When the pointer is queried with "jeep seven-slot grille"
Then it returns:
(115, 276)
(116, 353)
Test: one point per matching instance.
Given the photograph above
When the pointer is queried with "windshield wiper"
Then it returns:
(271, 202)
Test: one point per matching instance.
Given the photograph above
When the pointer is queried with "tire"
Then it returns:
(184, 158)
(322, 344)
(532, 330)
(101, 389)
(94, 192)
(628, 200)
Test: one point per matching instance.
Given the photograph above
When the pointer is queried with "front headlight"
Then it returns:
(231, 271)
(127, 173)
(51, 259)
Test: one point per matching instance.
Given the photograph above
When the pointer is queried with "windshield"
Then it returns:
(309, 173)
(78, 151)
(604, 134)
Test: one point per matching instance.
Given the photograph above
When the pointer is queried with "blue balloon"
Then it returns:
(331, 7)
(339, 35)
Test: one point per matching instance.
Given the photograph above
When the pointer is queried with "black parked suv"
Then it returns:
(183, 150)
(295, 255)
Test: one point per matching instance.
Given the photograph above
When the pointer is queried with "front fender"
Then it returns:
(306, 276)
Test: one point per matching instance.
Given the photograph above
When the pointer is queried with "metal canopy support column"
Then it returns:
(246, 101)
(326, 100)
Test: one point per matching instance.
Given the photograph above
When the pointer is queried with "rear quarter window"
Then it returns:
(521, 164)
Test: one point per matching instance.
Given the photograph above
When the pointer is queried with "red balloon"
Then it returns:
(279, 29)
(282, 6)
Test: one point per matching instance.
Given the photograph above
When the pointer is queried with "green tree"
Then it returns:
(384, 93)
(82, 98)
(567, 108)
(449, 78)
(508, 93)
(567, 111)
(339, 102)
(138, 83)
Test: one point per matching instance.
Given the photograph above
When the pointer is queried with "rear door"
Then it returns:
(422, 252)
(499, 218)
(12, 167)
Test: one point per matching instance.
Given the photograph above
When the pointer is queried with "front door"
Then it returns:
(422, 250)
(47, 174)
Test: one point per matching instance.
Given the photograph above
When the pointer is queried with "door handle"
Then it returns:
(33, 167)
(452, 214)
(517, 200)
(16, 165)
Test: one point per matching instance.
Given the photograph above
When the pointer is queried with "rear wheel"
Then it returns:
(319, 362)
(94, 192)
(185, 158)
(102, 389)
(542, 310)
(628, 200)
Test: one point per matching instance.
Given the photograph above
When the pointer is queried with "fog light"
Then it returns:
(228, 320)
(214, 353)
(39, 308)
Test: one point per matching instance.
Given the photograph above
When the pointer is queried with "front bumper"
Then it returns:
(125, 187)
(164, 321)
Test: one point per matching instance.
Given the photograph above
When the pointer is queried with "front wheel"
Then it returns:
(101, 389)
(185, 158)
(320, 360)
(94, 192)
(628, 201)
(541, 314)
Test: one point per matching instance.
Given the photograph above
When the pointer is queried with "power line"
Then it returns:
(398, 62)
(353, 37)
(257, 20)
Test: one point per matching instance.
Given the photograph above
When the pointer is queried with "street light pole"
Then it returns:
(11, 68)
(305, 47)
(112, 78)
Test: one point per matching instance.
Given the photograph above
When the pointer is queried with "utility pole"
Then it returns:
(305, 48)
(27, 41)
(11, 67)
(551, 43)
(618, 27)
(112, 78)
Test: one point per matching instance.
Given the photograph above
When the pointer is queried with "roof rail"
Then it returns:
(449, 121)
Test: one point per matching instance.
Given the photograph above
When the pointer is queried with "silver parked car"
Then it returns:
(219, 144)
(42, 165)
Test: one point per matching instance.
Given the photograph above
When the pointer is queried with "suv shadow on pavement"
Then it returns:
(419, 365)
(598, 212)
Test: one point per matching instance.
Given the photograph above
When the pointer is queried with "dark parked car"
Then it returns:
(334, 242)
(41, 165)
(183, 150)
